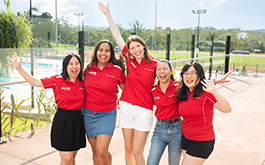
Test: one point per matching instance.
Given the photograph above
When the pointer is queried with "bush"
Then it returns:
(14, 122)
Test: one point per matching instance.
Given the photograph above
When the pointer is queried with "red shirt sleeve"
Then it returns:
(125, 52)
(49, 82)
(211, 99)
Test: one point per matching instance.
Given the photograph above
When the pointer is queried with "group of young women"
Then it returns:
(95, 89)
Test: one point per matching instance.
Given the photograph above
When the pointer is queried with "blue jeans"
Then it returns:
(165, 134)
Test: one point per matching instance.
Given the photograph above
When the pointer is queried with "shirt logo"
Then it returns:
(171, 95)
(81, 88)
(109, 75)
(148, 69)
(133, 65)
(66, 88)
(157, 97)
(92, 73)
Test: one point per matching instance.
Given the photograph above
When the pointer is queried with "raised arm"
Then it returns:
(222, 104)
(113, 27)
(223, 79)
(16, 63)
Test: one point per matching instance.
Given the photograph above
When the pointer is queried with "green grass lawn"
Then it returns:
(20, 124)
(71, 46)
(249, 61)
(177, 55)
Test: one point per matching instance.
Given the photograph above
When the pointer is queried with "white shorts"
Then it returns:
(135, 117)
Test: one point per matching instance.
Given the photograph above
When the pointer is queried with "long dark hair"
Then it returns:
(140, 40)
(116, 60)
(66, 61)
(169, 65)
(182, 94)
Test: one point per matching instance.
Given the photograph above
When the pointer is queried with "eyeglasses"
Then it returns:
(192, 74)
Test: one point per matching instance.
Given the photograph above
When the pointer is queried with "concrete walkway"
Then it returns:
(240, 135)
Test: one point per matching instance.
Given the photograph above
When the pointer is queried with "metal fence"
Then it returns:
(46, 63)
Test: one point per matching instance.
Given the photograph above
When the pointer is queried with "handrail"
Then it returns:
(189, 59)
(12, 83)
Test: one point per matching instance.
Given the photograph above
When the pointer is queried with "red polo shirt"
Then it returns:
(139, 81)
(166, 103)
(68, 95)
(101, 87)
(197, 116)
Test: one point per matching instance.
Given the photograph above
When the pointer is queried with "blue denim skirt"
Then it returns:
(99, 123)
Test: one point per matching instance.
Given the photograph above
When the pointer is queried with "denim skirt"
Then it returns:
(68, 131)
(99, 123)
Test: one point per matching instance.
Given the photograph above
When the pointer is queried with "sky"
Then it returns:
(176, 14)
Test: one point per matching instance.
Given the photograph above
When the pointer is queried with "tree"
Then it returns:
(15, 32)
(253, 44)
(150, 41)
(41, 25)
(160, 38)
(262, 47)
(137, 27)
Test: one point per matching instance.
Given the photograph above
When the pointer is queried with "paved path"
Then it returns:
(240, 135)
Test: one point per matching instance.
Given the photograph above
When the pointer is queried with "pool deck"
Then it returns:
(240, 135)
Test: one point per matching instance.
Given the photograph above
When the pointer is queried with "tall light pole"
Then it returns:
(56, 27)
(79, 15)
(155, 27)
(198, 33)
(80, 38)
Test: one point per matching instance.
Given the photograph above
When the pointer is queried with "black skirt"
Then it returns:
(68, 131)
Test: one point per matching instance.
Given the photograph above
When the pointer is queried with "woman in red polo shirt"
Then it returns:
(198, 97)
(67, 132)
(102, 75)
(136, 115)
(167, 131)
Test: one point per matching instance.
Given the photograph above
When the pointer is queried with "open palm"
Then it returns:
(15, 62)
(224, 78)
(103, 8)
(208, 86)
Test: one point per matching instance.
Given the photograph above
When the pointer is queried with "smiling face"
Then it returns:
(163, 72)
(73, 68)
(190, 78)
(136, 50)
(103, 54)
